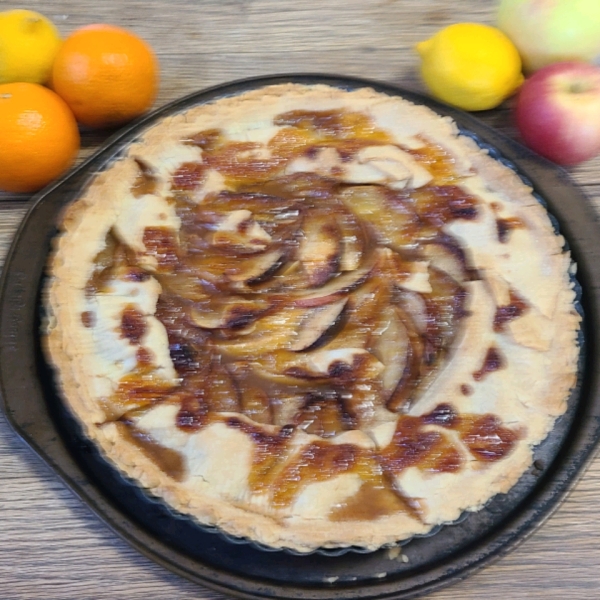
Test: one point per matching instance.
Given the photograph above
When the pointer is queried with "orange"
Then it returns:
(107, 75)
(39, 137)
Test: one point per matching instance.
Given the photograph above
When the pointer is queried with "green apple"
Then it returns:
(549, 31)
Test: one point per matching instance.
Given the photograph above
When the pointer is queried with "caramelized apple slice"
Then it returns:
(233, 271)
(316, 323)
(399, 167)
(353, 240)
(445, 255)
(265, 208)
(289, 327)
(320, 247)
(394, 221)
(276, 330)
(414, 304)
(414, 370)
(364, 309)
(392, 348)
(252, 269)
(283, 280)
(227, 312)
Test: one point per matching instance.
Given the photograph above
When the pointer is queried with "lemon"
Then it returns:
(28, 44)
(471, 66)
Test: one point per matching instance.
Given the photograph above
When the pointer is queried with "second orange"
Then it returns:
(107, 75)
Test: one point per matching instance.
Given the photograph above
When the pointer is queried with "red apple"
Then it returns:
(558, 112)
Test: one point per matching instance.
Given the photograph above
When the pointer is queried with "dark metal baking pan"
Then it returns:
(35, 411)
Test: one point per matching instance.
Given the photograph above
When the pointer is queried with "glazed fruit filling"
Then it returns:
(308, 299)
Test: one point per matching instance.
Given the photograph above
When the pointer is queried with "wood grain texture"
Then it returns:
(51, 546)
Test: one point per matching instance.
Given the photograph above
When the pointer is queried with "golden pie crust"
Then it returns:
(506, 372)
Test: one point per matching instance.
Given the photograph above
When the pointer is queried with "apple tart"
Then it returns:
(312, 317)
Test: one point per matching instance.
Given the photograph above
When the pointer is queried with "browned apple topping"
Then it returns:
(306, 303)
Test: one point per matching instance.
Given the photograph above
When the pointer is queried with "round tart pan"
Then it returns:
(242, 569)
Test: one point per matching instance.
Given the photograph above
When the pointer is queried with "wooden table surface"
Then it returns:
(51, 546)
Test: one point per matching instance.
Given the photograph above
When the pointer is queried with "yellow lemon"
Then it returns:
(471, 66)
(28, 44)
